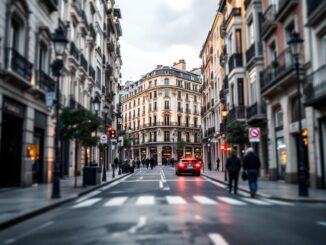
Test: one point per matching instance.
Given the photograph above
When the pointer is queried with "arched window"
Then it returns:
(166, 81)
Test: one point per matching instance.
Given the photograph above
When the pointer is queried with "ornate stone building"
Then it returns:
(161, 114)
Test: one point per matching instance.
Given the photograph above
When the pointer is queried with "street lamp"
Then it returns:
(173, 146)
(295, 44)
(224, 114)
(106, 111)
(60, 41)
(96, 105)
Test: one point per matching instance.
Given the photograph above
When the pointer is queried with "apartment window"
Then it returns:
(272, 52)
(278, 118)
(166, 81)
(195, 98)
(143, 137)
(98, 75)
(155, 94)
(195, 137)
(323, 49)
(150, 121)
(179, 136)
(167, 92)
(230, 43)
(179, 120)
(155, 83)
(166, 105)
(129, 105)
(43, 57)
(138, 101)
(166, 120)
(238, 41)
(252, 87)
(179, 106)
(187, 121)
(155, 106)
(187, 96)
(154, 137)
(240, 92)
(251, 37)
(150, 107)
(166, 136)
(149, 84)
(134, 103)
(138, 112)
(195, 122)
(187, 137)
(155, 120)
(150, 95)
(143, 99)
(179, 94)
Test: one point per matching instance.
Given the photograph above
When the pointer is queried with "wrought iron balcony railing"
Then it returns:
(19, 64)
(235, 61)
(44, 81)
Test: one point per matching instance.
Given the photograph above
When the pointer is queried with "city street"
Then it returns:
(158, 207)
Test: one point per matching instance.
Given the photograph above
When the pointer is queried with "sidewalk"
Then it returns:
(20, 203)
(278, 190)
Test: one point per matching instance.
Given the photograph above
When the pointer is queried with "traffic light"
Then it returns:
(112, 133)
(223, 147)
(109, 130)
(304, 135)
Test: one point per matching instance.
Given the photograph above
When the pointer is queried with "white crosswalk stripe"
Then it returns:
(175, 200)
(278, 202)
(145, 200)
(204, 200)
(256, 201)
(231, 201)
(87, 203)
(116, 201)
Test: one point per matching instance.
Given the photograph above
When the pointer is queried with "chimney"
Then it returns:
(181, 65)
(158, 67)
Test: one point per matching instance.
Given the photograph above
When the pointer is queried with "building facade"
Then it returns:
(161, 114)
(92, 63)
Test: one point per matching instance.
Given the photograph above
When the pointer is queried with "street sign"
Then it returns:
(49, 99)
(104, 139)
(254, 134)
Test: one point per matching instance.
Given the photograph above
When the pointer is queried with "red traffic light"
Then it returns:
(112, 133)
(223, 147)
(109, 130)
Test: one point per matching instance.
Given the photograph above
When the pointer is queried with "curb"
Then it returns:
(25, 216)
(272, 197)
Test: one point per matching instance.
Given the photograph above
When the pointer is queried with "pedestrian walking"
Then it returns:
(152, 162)
(138, 163)
(251, 164)
(218, 164)
(143, 161)
(116, 162)
(210, 166)
(233, 165)
(172, 161)
(147, 163)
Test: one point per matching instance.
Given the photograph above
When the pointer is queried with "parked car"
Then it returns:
(192, 166)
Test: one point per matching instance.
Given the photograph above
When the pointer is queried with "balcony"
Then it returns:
(252, 54)
(188, 111)
(284, 8)
(223, 55)
(212, 102)
(234, 13)
(44, 81)
(256, 112)
(237, 113)
(269, 23)
(315, 91)
(110, 45)
(92, 32)
(18, 64)
(316, 10)
(91, 72)
(278, 72)
(235, 61)
(209, 132)
(84, 20)
(83, 62)
(74, 51)
(52, 5)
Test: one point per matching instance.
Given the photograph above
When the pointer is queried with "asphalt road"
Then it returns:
(156, 207)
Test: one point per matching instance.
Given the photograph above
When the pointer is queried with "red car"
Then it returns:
(192, 166)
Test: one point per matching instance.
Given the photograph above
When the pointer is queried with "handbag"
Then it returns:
(244, 175)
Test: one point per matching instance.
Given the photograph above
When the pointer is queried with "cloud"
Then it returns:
(162, 32)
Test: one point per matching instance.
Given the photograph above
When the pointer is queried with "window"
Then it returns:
(155, 106)
(166, 81)
(150, 121)
(166, 136)
(187, 96)
(252, 87)
(134, 103)
(155, 120)
(272, 52)
(195, 98)
(251, 38)
(166, 105)
(179, 106)
(238, 41)
(179, 94)
(15, 35)
(323, 48)
(166, 120)
(155, 83)
(179, 136)
(150, 108)
(278, 118)
(195, 122)
(150, 95)
(187, 121)
(154, 137)
(187, 137)
(98, 75)
(195, 137)
(43, 57)
(155, 94)
(167, 92)
(179, 120)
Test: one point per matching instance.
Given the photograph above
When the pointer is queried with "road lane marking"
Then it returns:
(94, 193)
(231, 201)
(321, 223)
(175, 200)
(204, 200)
(115, 201)
(13, 240)
(166, 188)
(87, 203)
(162, 175)
(141, 177)
(141, 223)
(278, 202)
(217, 239)
(216, 183)
(256, 201)
(161, 184)
(145, 200)
(245, 194)
(115, 183)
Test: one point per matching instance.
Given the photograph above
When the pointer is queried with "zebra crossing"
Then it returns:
(148, 200)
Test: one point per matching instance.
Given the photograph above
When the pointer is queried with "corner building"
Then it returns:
(161, 114)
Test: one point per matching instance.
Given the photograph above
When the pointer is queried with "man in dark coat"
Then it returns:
(251, 164)
(152, 162)
(147, 163)
(233, 165)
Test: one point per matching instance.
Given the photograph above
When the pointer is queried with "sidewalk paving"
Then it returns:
(20, 203)
(278, 190)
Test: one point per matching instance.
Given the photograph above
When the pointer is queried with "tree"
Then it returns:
(237, 134)
(80, 124)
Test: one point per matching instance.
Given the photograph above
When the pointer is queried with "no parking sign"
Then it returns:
(254, 134)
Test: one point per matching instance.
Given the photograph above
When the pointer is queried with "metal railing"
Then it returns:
(315, 88)
(44, 81)
(74, 51)
(235, 61)
(238, 112)
(18, 64)
(269, 17)
(83, 62)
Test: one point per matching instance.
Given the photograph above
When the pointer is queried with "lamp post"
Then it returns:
(96, 105)
(106, 111)
(295, 44)
(173, 146)
(224, 113)
(60, 41)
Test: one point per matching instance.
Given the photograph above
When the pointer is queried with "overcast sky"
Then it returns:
(162, 32)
